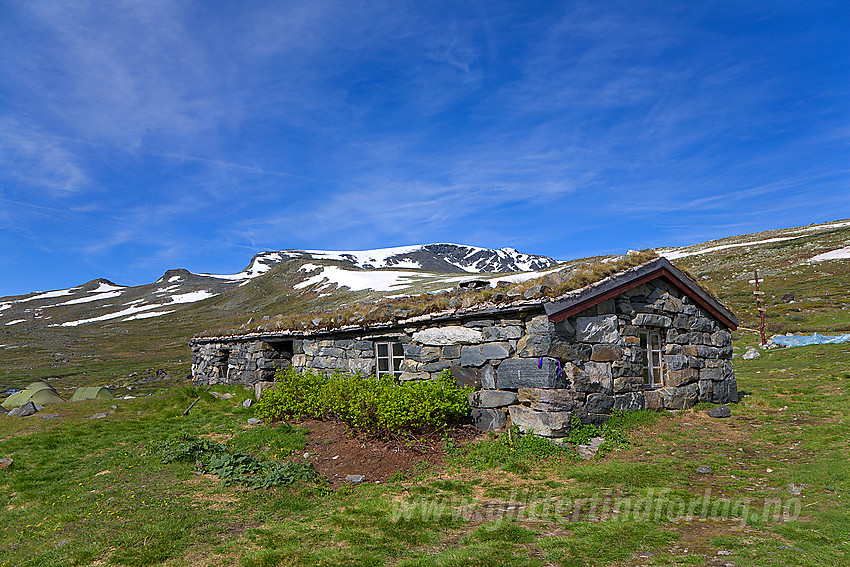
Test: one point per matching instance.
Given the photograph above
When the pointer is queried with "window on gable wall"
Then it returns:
(388, 356)
(650, 344)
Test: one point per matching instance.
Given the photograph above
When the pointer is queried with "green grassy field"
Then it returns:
(87, 491)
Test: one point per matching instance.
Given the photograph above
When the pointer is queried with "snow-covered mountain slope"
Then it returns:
(103, 301)
(303, 280)
(444, 258)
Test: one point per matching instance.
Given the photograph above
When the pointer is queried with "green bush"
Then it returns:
(376, 404)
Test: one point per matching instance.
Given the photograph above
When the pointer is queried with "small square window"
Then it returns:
(650, 346)
(389, 356)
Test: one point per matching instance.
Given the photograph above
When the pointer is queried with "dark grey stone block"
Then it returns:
(515, 373)
(471, 356)
(632, 401)
(599, 403)
(720, 411)
(489, 419)
(465, 376)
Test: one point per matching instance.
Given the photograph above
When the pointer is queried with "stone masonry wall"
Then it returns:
(601, 358)
(523, 366)
(234, 362)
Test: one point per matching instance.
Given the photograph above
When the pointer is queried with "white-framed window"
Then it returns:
(650, 345)
(388, 357)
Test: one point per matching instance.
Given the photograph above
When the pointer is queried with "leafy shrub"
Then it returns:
(376, 404)
(231, 467)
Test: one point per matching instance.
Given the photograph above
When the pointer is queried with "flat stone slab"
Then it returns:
(719, 411)
(515, 373)
(491, 399)
(451, 335)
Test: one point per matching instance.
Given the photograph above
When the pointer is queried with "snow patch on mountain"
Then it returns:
(147, 315)
(15, 322)
(47, 295)
(358, 281)
(676, 253)
(89, 299)
(377, 258)
(190, 297)
(106, 287)
(261, 264)
(840, 254)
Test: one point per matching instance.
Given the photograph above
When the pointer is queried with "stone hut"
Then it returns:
(646, 338)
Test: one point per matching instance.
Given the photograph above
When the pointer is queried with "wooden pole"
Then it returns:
(196, 400)
(758, 295)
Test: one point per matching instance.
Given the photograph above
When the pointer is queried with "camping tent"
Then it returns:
(37, 392)
(92, 393)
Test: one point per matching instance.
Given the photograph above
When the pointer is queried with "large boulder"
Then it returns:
(545, 423)
(551, 400)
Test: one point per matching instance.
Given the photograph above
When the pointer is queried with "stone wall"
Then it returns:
(239, 362)
(522, 365)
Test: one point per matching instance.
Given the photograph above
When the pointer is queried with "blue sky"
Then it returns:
(141, 136)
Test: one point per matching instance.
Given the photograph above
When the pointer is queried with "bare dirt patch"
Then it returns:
(338, 451)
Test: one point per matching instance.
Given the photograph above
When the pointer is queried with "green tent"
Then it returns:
(37, 392)
(92, 393)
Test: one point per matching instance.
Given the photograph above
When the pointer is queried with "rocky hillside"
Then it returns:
(102, 325)
(101, 300)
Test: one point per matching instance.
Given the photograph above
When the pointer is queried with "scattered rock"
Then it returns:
(63, 543)
(222, 396)
(724, 552)
(5, 463)
(751, 354)
(50, 416)
(795, 489)
(719, 411)
(535, 291)
(355, 478)
(788, 297)
(247, 403)
(25, 410)
(704, 469)
(589, 450)
(114, 407)
(254, 421)
(99, 415)
(586, 451)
